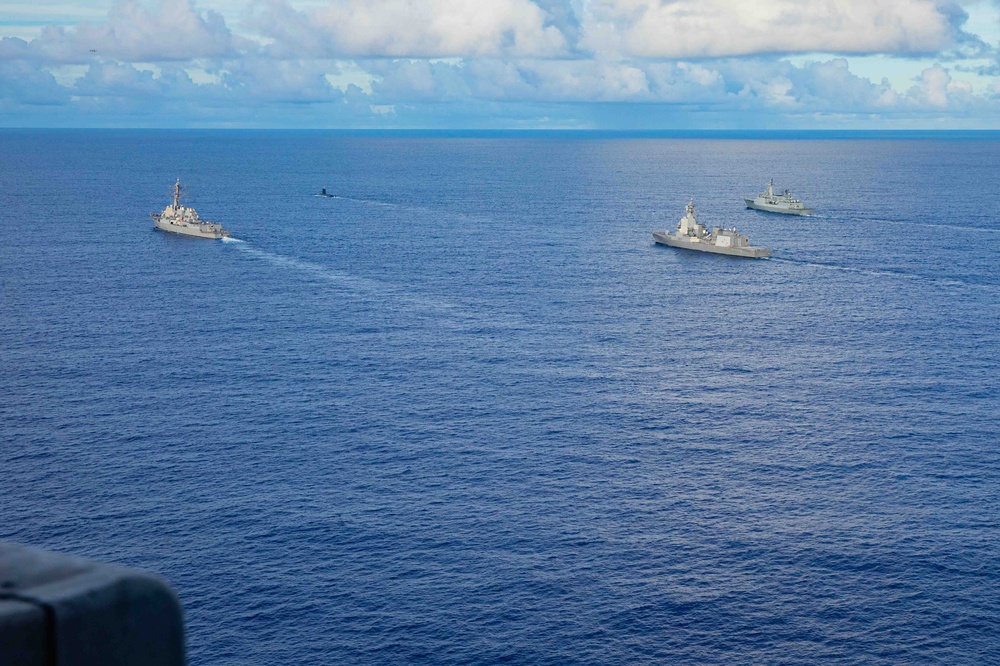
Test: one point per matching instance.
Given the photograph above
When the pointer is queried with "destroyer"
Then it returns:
(692, 236)
(778, 203)
(180, 219)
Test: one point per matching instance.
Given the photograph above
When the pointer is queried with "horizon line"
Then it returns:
(525, 131)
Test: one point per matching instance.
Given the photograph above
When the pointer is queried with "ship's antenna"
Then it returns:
(177, 193)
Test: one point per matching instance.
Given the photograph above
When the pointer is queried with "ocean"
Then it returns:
(466, 412)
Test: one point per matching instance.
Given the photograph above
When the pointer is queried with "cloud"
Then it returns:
(612, 29)
(833, 81)
(260, 81)
(134, 32)
(419, 80)
(410, 28)
(249, 82)
(734, 84)
(412, 61)
(542, 81)
(24, 83)
(936, 89)
(108, 79)
(557, 81)
(175, 30)
(718, 28)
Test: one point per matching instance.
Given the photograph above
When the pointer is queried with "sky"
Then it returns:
(501, 64)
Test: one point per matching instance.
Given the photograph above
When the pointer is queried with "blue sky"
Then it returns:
(510, 64)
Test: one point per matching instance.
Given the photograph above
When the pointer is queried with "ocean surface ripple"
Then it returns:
(467, 412)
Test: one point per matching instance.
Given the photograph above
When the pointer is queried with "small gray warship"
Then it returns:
(778, 203)
(179, 219)
(693, 236)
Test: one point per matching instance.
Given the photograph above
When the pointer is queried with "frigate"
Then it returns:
(179, 219)
(778, 203)
(691, 235)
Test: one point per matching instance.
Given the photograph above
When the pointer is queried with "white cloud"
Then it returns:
(107, 79)
(773, 92)
(395, 59)
(41, 11)
(134, 32)
(525, 80)
(27, 84)
(263, 80)
(686, 83)
(575, 80)
(830, 85)
(936, 89)
(716, 28)
(152, 30)
(736, 84)
(410, 28)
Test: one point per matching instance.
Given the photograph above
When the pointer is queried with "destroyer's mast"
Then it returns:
(689, 223)
(177, 193)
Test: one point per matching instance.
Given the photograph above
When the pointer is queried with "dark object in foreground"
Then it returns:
(68, 611)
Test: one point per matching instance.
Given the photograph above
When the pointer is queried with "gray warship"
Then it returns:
(179, 219)
(693, 236)
(778, 203)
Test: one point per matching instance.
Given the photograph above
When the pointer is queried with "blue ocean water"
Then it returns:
(468, 412)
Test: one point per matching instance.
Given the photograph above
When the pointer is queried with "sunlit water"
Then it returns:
(467, 412)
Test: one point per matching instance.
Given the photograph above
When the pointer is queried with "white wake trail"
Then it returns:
(373, 289)
(874, 272)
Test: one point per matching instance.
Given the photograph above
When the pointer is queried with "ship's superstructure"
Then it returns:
(179, 219)
(691, 235)
(777, 203)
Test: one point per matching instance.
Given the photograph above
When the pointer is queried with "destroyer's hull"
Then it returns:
(777, 209)
(751, 252)
(189, 230)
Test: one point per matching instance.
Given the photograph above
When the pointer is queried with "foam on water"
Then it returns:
(954, 229)
(374, 289)
(874, 272)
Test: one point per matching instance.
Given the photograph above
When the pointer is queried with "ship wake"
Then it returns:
(928, 225)
(948, 282)
(375, 290)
